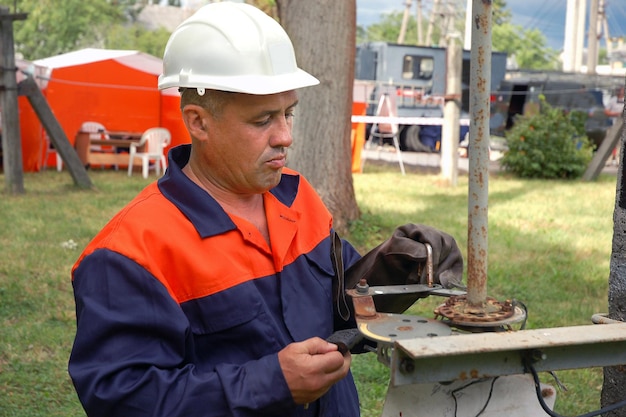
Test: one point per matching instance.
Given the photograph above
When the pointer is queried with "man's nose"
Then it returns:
(281, 136)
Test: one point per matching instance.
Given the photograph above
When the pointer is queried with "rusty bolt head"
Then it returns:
(362, 287)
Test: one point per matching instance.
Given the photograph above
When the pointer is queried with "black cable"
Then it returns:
(493, 381)
(547, 409)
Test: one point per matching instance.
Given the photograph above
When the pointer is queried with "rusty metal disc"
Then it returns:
(492, 313)
(388, 327)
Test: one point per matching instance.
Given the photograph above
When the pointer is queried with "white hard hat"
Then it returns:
(232, 47)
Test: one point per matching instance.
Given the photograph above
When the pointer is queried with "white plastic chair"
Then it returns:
(50, 150)
(153, 143)
(96, 130)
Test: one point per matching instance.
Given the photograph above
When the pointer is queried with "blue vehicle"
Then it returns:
(415, 77)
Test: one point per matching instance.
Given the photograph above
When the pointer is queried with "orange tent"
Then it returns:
(117, 88)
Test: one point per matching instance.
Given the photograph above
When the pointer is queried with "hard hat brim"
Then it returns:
(258, 85)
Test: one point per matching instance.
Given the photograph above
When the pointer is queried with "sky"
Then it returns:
(548, 16)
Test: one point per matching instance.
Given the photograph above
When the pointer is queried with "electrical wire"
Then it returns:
(530, 368)
(615, 12)
(538, 21)
(493, 381)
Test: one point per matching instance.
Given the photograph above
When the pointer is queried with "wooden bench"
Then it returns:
(88, 157)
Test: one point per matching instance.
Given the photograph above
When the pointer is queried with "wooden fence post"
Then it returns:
(11, 143)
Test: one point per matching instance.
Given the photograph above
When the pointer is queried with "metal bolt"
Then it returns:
(407, 366)
(362, 287)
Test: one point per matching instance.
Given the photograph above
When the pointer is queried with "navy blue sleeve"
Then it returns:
(133, 353)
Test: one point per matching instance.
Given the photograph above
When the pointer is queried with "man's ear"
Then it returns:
(195, 117)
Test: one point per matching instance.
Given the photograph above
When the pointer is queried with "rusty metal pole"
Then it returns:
(480, 84)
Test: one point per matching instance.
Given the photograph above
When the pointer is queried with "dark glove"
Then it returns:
(399, 260)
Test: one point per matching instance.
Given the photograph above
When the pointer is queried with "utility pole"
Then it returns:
(420, 38)
(450, 21)
(405, 21)
(580, 34)
(592, 37)
(467, 38)
(574, 35)
(11, 143)
(431, 22)
(451, 112)
(446, 15)
(605, 27)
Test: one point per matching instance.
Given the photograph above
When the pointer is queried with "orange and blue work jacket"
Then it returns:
(181, 309)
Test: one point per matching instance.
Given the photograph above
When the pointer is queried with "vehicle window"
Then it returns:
(415, 67)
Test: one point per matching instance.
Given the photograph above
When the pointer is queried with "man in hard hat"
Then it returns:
(212, 292)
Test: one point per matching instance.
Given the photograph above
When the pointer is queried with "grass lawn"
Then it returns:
(549, 246)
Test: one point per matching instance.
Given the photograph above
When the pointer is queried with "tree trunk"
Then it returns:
(323, 35)
(614, 386)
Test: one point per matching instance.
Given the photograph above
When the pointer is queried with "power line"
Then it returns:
(552, 29)
(546, 9)
(615, 15)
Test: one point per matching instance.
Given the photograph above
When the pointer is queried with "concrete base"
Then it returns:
(510, 396)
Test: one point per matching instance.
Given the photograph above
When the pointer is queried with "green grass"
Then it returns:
(36, 305)
(549, 246)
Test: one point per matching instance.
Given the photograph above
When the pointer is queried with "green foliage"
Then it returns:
(53, 27)
(137, 37)
(528, 46)
(603, 57)
(549, 144)
(500, 14)
(388, 29)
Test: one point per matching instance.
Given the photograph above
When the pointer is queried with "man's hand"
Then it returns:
(311, 367)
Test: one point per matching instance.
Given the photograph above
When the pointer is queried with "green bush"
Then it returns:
(549, 144)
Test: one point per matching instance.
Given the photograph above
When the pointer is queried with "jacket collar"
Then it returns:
(202, 210)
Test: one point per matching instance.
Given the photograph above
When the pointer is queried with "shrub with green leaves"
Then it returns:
(549, 144)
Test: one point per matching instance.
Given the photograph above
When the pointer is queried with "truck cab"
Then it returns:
(415, 77)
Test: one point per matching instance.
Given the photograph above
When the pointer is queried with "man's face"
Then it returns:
(246, 147)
